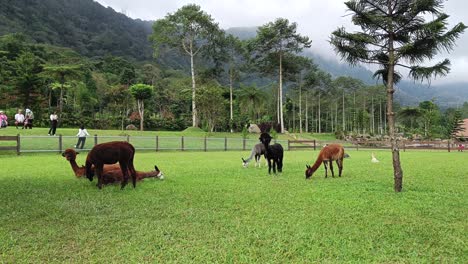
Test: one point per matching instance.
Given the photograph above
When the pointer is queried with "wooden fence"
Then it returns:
(11, 138)
(59, 143)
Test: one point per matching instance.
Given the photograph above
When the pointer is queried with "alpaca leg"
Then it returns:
(331, 168)
(269, 166)
(124, 168)
(325, 165)
(133, 173)
(280, 164)
(98, 170)
(274, 166)
(339, 162)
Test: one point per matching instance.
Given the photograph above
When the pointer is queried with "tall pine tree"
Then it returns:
(395, 33)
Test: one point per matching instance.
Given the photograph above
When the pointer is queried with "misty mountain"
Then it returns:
(95, 31)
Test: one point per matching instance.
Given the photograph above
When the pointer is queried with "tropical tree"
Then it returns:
(250, 100)
(27, 69)
(235, 52)
(395, 33)
(62, 74)
(273, 42)
(212, 104)
(141, 92)
(189, 29)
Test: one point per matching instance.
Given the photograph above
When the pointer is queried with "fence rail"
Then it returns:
(25, 144)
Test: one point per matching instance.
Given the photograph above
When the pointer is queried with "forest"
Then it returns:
(108, 75)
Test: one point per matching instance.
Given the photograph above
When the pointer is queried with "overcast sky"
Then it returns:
(315, 18)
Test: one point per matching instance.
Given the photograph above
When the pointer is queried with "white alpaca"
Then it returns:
(257, 151)
(374, 159)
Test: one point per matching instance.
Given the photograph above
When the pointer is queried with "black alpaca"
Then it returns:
(273, 153)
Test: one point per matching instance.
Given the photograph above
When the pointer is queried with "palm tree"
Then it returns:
(251, 100)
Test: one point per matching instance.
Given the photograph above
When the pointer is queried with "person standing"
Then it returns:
(3, 120)
(53, 123)
(28, 119)
(19, 119)
(82, 133)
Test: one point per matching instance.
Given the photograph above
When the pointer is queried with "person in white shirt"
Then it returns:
(19, 119)
(82, 133)
(53, 123)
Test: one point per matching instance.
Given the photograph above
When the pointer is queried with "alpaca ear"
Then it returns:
(156, 168)
(307, 166)
(243, 160)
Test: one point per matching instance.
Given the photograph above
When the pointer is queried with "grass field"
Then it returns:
(210, 209)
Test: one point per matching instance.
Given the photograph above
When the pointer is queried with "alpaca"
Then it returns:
(257, 151)
(111, 172)
(273, 153)
(110, 153)
(328, 154)
(374, 159)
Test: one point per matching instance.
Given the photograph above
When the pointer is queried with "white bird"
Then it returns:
(374, 159)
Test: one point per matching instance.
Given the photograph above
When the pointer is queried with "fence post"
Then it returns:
(205, 144)
(357, 145)
(18, 144)
(289, 144)
(128, 138)
(157, 143)
(225, 143)
(243, 144)
(404, 146)
(182, 143)
(315, 145)
(448, 145)
(95, 139)
(60, 143)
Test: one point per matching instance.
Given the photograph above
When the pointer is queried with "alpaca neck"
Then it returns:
(317, 163)
(79, 171)
(150, 174)
(251, 155)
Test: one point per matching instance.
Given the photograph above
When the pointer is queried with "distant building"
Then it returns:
(464, 132)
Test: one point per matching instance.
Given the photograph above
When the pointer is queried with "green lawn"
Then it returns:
(210, 209)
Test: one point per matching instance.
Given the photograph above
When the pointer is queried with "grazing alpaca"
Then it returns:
(328, 154)
(273, 153)
(110, 153)
(111, 173)
(257, 151)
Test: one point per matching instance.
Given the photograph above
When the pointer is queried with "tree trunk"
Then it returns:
(230, 100)
(141, 111)
(281, 92)
(318, 116)
(300, 105)
(194, 105)
(344, 116)
(397, 171)
(306, 114)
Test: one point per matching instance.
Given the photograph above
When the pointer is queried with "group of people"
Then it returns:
(25, 121)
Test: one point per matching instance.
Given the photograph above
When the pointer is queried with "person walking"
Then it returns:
(19, 119)
(53, 123)
(28, 119)
(3, 120)
(82, 133)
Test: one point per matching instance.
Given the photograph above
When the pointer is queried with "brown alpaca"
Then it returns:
(111, 172)
(111, 153)
(328, 154)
